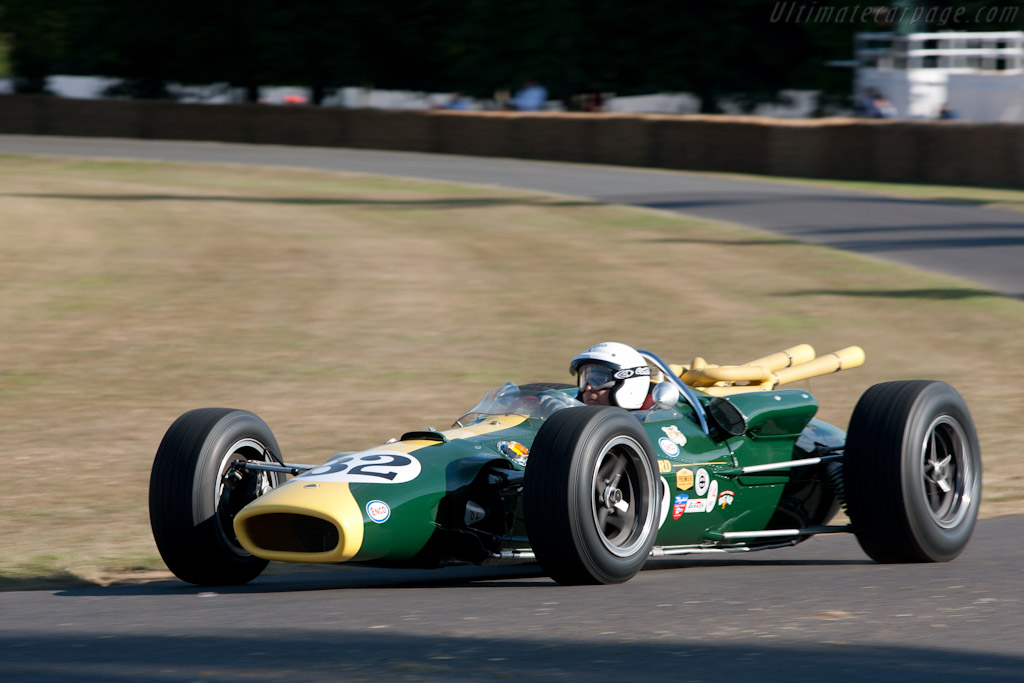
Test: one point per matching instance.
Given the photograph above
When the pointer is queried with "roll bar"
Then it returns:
(686, 391)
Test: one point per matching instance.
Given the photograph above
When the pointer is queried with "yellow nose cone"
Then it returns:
(302, 522)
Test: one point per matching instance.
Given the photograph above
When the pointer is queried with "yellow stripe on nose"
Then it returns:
(302, 521)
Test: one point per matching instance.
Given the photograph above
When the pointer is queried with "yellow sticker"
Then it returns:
(664, 466)
(684, 479)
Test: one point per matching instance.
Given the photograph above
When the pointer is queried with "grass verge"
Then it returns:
(345, 309)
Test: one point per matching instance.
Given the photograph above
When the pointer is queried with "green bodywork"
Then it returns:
(427, 525)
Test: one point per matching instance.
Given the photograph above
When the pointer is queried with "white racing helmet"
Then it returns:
(628, 378)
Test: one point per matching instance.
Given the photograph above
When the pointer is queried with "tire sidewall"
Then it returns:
(195, 540)
(937, 542)
(610, 566)
(232, 428)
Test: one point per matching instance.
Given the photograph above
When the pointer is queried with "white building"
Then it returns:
(979, 74)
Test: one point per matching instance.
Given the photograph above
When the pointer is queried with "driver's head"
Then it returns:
(611, 373)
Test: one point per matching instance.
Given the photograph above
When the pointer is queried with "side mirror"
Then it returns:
(665, 395)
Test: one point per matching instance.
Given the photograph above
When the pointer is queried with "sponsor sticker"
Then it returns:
(712, 497)
(673, 433)
(515, 450)
(378, 511)
(698, 505)
(704, 504)
(684, 479)
(664, 466)
(626, 373)
(668, 446)
(702, 481)
(679, 505)
(369, 467)
(725, 498)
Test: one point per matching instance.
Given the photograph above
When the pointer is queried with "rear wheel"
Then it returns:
(912, 471)
(590, 496)
(195, 493)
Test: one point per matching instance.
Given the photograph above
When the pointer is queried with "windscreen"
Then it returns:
(511, 399)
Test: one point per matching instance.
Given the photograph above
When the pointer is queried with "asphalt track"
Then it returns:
(982, 246)
(820, 611)
(817, 612)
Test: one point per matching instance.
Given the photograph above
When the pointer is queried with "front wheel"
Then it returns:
(590, 496)
(912, 471)
(195, 491)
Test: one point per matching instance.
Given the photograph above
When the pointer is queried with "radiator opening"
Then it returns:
(286, 532)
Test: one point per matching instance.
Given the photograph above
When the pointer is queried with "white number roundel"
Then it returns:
(370, 467)
(703, 480)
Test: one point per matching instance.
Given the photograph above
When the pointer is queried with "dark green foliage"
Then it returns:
(743, 49)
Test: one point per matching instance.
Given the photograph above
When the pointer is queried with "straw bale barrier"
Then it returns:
(953, 152)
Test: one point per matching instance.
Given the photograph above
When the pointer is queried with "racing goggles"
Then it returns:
(597, 376)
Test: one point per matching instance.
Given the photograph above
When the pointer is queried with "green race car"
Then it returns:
(720, 459)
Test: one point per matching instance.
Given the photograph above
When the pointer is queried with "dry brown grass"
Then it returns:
(344, 309)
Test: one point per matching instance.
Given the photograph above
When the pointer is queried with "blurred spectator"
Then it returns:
(502, 99)
(593, 101)
(946, 112)
(458, 102)
(874, 105)
(884, 109)
(531, 97)
(863, 103)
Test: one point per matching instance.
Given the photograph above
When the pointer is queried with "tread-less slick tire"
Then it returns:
(912, 471)
(590, 496)
(194, 493)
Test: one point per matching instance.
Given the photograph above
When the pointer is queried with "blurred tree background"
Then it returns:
(746, 50)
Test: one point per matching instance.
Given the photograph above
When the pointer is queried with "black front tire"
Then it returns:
(590, 496)
(194, 493)
(912, 472)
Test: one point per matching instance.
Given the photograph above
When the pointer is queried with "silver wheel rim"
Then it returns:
(240, 451)
(621, 496)
(947, 473)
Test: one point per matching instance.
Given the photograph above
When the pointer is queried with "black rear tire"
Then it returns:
(912, 472)
(194, 494)
(590, 496)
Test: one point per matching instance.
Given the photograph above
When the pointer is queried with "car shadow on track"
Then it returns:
(300, 578)
(683, 563)
(295, 578)
(353, 654)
